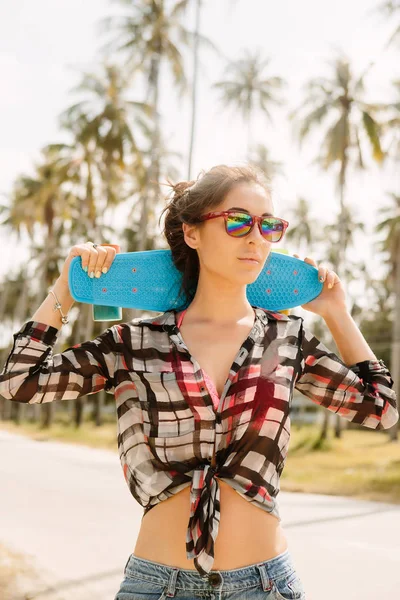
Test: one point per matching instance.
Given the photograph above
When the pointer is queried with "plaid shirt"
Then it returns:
(168, 425)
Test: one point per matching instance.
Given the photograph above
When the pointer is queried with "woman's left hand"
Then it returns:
(331, 298)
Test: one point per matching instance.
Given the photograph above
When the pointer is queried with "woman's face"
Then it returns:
(219, 253)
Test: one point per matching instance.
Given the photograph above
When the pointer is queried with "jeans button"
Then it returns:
(214, 578)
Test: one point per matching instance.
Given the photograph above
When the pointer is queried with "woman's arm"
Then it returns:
(46, 313)
(348, 338)
(359, 389)
(32, 374)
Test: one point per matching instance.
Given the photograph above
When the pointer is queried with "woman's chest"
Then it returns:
(214, 352)
(166, 391)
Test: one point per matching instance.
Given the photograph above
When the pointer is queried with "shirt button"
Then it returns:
(218, 418)
(202, 388)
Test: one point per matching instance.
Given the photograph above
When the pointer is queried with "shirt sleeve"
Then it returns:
(33, 374)
(361, 393)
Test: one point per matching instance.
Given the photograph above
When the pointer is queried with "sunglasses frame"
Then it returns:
(254, 219)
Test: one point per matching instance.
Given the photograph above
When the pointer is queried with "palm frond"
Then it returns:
(372, 129)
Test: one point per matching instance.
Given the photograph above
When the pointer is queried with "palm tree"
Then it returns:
(391, 244)
(70, 183)
(351, 270)
(146, 35)
(249, 89)
(104, 142)
(261, 158)
(40, 201)
(391, 124)
(197, 39)
(390, 225)
(303, 232)
(391, 9)
(337, 101)
(46, 202)
(330, 232)
(82, 157)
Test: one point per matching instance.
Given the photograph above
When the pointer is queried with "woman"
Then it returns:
(203, 395)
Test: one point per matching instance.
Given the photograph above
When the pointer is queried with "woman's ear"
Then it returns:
(190, 235)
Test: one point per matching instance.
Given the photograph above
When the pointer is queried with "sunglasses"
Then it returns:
(239, 224)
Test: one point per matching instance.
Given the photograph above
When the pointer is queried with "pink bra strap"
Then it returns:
(181, 317)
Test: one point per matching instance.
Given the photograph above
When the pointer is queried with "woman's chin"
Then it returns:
(248, 278)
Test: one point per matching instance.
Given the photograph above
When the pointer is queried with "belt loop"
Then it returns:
(172, 582)
(265, 581)
(126, 564)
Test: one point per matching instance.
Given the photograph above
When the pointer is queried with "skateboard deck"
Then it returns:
(149, 280)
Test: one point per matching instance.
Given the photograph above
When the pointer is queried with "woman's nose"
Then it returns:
(256, 235)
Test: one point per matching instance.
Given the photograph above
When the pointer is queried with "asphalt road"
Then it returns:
(68, 508)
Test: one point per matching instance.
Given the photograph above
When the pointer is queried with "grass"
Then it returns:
(363, 464)
(87, 435)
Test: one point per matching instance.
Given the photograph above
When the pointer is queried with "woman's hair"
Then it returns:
(188, 200)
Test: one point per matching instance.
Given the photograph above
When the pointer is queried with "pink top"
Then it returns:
(209, 383)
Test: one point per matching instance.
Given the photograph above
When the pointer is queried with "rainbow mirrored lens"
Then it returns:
(239, 224)
(272, 229)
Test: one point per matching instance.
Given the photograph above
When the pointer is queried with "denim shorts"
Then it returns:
(274, 579)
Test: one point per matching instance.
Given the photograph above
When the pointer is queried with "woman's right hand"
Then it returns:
(95, 259)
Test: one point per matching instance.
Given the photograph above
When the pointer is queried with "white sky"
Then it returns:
(44, 43)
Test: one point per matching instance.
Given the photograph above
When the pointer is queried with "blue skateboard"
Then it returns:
(149, 280)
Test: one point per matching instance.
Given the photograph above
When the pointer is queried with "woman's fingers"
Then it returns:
(101, 259)
(111, 253)
(98, 260)
(93, 256)
(323, 273)
(331, 278)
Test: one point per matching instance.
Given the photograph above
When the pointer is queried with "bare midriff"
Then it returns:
(247, 534)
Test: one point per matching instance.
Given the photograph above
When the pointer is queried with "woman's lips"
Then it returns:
(251, 261)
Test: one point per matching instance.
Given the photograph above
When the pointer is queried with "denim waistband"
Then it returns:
(223, 579)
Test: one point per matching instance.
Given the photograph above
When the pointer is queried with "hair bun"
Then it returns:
(181, 187)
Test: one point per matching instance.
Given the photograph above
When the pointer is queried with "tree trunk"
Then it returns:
(16, 412)
(47, 408)
(340, 257)
(395, 349)
(249, 132)
(325, 425)
(84, 332)
(6, 410)
(152, 191)
(194, 87)
(98, 403)
(78, 412)
(47, 415)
